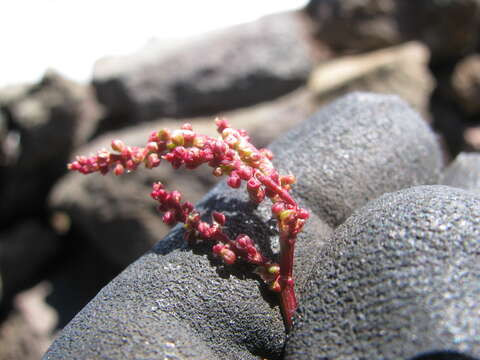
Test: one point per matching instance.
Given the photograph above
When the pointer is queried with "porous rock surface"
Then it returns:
(176, 301)
(236, 67)
(400, 278)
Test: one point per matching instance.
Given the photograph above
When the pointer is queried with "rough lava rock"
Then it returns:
(236, 67)
(365, 143)
(176, 301)
(449, 28)
(399, 279)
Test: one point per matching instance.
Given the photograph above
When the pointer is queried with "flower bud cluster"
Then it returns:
(232, 155)
(127, 158)
(170, 204)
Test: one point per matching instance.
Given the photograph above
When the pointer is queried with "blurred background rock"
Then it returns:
(64, 236)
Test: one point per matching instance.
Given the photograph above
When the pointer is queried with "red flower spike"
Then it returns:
(233, 155)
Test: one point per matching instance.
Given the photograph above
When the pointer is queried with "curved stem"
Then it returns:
(288, 300)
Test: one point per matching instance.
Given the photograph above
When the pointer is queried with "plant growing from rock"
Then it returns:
(233, 155)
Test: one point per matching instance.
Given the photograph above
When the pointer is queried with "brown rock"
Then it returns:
(401, 70)
(28, 330)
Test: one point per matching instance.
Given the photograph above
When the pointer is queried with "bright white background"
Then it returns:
(70, 35)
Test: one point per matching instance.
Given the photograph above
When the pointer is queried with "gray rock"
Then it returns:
(180, 301)
(366, 145)
(398, 279)
(228, 69)
(466, 84)
(449, 28)
(464, 172)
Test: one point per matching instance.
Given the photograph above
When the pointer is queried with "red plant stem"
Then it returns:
(287, 294)
(269, 183)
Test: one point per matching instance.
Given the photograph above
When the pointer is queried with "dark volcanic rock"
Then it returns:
(449, 28)
(400, 278)
(464, 172)
(42, 122)
(176, 301)
(355, 25)
(366, 145)
(24, 249)
(228, 69)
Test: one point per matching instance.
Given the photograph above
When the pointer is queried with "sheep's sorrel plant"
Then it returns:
(233, 155)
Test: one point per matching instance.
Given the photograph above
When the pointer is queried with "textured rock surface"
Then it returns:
(464, 172)
(398, 279)
(237, 67)
(449, 28)
(401, 70)
(466, 84)
(367, 145)
(116, 213)
(179, 301)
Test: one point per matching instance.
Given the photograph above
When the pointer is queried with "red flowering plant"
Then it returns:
(233, 155)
